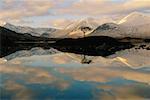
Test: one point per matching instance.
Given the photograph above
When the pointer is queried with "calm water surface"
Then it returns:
(58, 77)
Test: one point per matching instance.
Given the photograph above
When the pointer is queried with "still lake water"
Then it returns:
(59, 76)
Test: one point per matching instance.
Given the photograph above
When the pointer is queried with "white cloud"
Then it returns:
(98, 7)
(13, 9)
(62, 22)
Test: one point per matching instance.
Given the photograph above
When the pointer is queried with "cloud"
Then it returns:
(32, 75)
(98, 7)
(20, 78)
(15, 9)
(128, 91)
(12, 10)
(61, 23)
(105, 74)
(35, 75)
(21, 92)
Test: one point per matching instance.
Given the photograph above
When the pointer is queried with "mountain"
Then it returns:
(136, 25)
(87, 22)
(59, 33)
(139, 31)
(12, 41)
(108, 29)
(78, 28)
(135, 19)
(30, 30)
(73, 30)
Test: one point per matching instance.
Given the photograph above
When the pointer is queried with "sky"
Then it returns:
(60, 13)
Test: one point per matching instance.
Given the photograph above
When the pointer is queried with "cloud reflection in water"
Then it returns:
(24, 81)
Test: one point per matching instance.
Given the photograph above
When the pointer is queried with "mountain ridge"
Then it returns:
(135, 24)
(27, 29)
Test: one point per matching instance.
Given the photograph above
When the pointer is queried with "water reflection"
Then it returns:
(63, 76)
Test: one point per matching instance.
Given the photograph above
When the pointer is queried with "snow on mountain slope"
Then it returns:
(32, 31)
(134, 25)
(60, 33)
(135, 19)
(77, 28)
(86, 26)
(91, 22)
(139, 31)
(108, 29)
(80, 27)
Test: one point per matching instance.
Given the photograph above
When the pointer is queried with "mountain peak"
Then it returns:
(135, 15)
(135, 18)
(8, 24)
(85, 22)
(27, 29)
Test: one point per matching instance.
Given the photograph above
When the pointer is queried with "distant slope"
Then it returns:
(78, 28)
(135, 19)
(30, 30)
(9, 41)
(135, 25)
(108, 29)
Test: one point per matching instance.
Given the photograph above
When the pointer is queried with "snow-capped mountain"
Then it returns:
(91, 22)
(58, 33)
(73, 30)
(136, 25)
(133, 25)
(80, 27)
(139, 31)
(32, 31)
(135, 19)
(108, 29)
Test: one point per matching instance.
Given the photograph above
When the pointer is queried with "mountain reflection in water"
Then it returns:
(62, 76)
